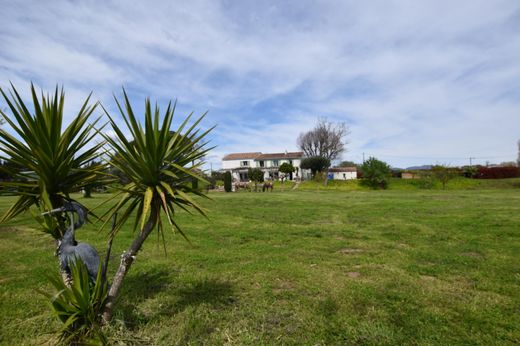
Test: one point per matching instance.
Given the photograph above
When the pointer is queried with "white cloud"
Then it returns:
(414, 79)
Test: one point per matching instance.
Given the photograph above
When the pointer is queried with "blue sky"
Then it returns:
(417, 82)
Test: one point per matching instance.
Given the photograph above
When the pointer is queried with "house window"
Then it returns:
(261, 163)
(275, 163)
(244, 163)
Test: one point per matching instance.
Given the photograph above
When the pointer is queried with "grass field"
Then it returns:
(304, 267)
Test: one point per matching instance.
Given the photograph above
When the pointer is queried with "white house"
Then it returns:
(239, 163)
(342, 173)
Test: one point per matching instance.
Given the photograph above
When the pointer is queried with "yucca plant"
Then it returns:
(53, 161)
(159, 166)
(80, 305)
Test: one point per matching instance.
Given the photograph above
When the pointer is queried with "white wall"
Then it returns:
(230, 164)
(345, 175)
(233, 164)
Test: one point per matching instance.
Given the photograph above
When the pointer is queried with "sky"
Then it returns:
(417, 82)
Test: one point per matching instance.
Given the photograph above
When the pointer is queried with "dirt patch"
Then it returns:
(283, 286)
(349, 251)
(472, 254)
(428, 278)
(353, 275)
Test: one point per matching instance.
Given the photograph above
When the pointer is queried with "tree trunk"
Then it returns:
(127, 258)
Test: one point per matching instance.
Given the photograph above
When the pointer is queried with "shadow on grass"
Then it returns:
(208, 291)
(181, 295)
(138, 288)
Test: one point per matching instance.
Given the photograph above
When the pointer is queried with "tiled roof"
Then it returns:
(342, 169)
(293, 155)
(241, 156)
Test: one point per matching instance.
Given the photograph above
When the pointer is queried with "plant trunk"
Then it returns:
(127, 258)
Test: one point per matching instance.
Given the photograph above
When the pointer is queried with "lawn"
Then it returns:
(304, 267)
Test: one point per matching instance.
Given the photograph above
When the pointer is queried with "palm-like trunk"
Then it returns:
(127, 259)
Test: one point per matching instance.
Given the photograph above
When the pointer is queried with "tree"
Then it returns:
(256, 175)
(286, 168)
(326, 139)
(315, 164)
(227, 181)
(375, 173)
(160, 170)
(443, 174)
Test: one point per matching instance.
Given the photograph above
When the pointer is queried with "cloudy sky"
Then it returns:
(417, 82)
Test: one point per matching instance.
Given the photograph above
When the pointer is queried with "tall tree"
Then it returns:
(326, 139)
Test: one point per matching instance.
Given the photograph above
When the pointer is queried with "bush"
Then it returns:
(497, 172)
(426, 180)
(470, 171)
(227, 181)
(375, 173)
(444, 174)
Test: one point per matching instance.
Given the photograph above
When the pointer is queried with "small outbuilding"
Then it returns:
(342, 173)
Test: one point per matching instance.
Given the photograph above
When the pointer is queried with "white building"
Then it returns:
(239, 163)
(342, 173)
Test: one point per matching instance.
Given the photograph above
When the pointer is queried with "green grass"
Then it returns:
(304, 267)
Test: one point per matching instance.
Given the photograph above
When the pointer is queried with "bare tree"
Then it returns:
(326, 139)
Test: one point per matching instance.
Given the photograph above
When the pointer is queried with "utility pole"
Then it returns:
(470, 160)
(363, 157)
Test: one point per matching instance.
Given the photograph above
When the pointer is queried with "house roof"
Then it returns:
(342, 169)
(293, 155)
(241, 156)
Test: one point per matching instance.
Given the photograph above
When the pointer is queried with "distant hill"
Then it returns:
(419, 168)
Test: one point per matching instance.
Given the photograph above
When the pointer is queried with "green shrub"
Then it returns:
(286, 168)
(375, 173)
(79, 307)
(227, 182)
(426, 180)
(443, 174)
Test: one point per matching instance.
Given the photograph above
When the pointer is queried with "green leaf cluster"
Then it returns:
(376, 173)
(286, 168)
(79, 306)
(159, 165)
(53, 159)
(256, 175)
(227, 181)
